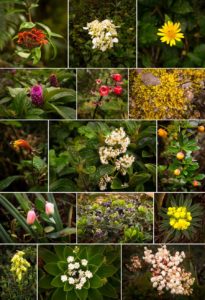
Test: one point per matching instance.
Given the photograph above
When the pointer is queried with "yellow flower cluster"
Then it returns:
(179, 217)
(164, 93)
(19, 265)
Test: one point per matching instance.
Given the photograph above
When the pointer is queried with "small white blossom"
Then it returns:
(64, 278)
(84, 262)
(71, 280)
(70, 259)
(88, 274)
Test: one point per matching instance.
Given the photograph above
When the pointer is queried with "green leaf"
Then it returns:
(82, 294)
(106, 271)
(45, 282)
(23, 54)
(57, 282)
(182, 7)
(116, 184)
(94, 294)
(109, 291)
(139, 178)
(38, 163)
(4, 236)
(63, 185)
(52, 268)
(36, 55)
(59, 294)
(64, 112)
(8, 181)
(27, 25)
(47, 256)
(96, 260)
(96, 282)
(62, 265)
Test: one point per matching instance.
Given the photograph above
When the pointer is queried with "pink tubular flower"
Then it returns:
(104, 90)
(117, 77)
(31, 217)
(118, 90)
(49, 208)
(36, 94)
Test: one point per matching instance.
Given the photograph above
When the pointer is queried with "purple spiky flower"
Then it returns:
(36, 94)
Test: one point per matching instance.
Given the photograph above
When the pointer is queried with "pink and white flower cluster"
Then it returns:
(167, 275)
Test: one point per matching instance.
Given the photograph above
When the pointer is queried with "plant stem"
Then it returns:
(97, 105)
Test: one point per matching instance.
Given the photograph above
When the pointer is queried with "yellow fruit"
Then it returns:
(177, 172)
(201, 128)
(180, 155)
(162, 133)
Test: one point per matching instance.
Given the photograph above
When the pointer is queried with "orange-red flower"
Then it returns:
(32, 38)
(17, 144)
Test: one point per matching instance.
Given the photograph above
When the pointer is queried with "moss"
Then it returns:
(164, 93)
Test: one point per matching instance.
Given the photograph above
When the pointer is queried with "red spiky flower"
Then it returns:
(32, 38)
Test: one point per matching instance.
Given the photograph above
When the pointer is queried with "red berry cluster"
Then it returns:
(105, 90)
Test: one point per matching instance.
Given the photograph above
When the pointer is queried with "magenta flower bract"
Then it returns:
(36, 94)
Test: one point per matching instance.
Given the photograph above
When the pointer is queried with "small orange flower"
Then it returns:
(17, 144)
(32, 38)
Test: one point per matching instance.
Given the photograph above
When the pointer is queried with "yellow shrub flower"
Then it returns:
(179, 217)
(170, 33)
(19, 265)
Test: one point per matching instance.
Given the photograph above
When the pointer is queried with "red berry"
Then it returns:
(117, 77)
(118, 90)
(104, 90)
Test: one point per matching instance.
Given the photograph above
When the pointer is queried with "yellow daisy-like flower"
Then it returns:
(170, 33)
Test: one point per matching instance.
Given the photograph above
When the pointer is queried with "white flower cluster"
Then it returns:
(116, 144)
(77, 273)
(166, 273)
(103, 34)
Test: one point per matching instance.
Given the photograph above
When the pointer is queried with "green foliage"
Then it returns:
(108, 107)
(174, 235)
(153, 15)
(116, 218)
(14, 227)
(122, 13)
(103, 262)
(183, 137)
(10, 288)
(58, 101)
(74, 156)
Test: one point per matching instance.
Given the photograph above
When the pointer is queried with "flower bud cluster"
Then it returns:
(77, 273)
(103, 34)
(167, 275)
(179, 217)
(19, 265)
(116, 144)
(135, 264)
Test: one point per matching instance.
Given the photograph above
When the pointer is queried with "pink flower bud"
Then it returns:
(31, 217)
(49, 208)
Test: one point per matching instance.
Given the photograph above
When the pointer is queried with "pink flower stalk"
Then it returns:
(36, 94)
(49, 208)
(31, 217)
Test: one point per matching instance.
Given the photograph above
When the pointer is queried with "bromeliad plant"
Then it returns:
(103, 95)
(92, 156)
(37, 218)
(181, 219)
(179, 143)
(38, 95)
(80, 272)
(115, 218)
(33, 36)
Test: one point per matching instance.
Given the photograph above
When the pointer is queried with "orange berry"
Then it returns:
(201, 128)
(162, 133)
(177, 172)
(180, 155)
(195, 183)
